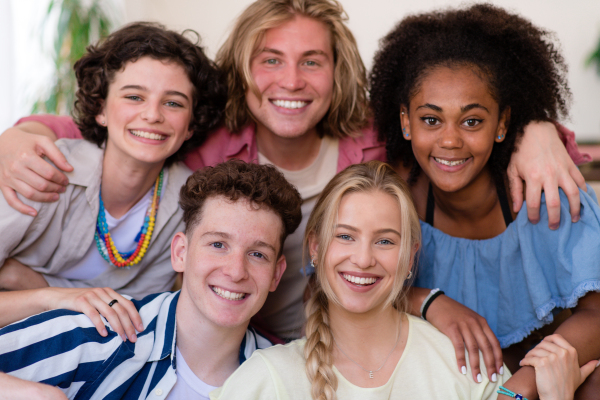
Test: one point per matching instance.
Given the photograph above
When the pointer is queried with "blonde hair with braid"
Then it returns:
(349, 110)
(373, 176)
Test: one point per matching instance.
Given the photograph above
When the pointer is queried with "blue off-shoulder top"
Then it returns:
(520, 278)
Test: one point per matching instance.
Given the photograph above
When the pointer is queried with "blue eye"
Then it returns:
(311, 63)
(271, 61)
(344, 237)
(385, 241)
(133, 97)
(173, 104)
(217, 245)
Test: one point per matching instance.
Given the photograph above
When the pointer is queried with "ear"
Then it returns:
(413, 254)
(280, 267)
(405, 122)
(313, 246)
(179, 248)
(502, 125)
(101, 117)
(189, 135)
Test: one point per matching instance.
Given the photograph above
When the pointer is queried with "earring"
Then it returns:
(409, 275)
(500, 137)
(103, 123)
(404, 132)
(312, 263)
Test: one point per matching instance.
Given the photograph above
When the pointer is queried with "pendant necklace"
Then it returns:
(371, 372)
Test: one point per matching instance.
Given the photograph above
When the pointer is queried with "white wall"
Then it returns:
(576, 23)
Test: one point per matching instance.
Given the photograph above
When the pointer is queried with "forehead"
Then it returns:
(460, 84)
(374, 210)
(300, 34)
(152, 73)
(242, 221)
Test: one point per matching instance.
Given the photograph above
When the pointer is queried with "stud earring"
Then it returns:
(409, 275)
(103, 123)
(404, 132)
(500, 137)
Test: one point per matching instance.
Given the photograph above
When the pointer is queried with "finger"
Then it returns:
(49, 149)
(30, 193)
(41, 181)
(588, 368)
(578, 177)
(11, 198)
(496, 349)
(533, 197)
(94, 316)
(553, 205)
(132, 317)
(572, 192)
(459, 347)
(473, 350)
(125, 321)
(516, 190)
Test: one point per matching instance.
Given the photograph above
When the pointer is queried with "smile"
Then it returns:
(148, 135)
(227, 295)
(359, 280)
(291, 105)
(450, 163)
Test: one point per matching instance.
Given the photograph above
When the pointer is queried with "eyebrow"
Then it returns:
(144, 88)
(305, 54)
(260, 243)
(216, 233)
(379, 231)
(462, 109)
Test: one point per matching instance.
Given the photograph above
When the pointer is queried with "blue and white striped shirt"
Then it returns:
(63, 348)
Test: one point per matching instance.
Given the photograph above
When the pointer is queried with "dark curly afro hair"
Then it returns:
(522, 65)
(96, 70)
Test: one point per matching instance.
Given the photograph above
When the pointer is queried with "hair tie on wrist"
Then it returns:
(509, 393)
(434, 294)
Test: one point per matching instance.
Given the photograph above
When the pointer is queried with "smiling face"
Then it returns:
(293, 72)
(147, 111)
(361, 262)
(453, 122)
(230, 261)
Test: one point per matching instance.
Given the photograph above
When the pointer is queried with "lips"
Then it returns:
(227, 295)
(147, 135)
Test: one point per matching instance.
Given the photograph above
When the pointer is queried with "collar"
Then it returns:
(245, 138)
(158, 314)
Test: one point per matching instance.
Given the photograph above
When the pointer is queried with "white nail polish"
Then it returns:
(463, 369)
(479, 378)
(598, 364)
(494, 377)
(501, 370)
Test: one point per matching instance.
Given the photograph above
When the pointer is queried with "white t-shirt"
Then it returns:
(283, 311)
(123, 231)
(426, 370)
(188, 385)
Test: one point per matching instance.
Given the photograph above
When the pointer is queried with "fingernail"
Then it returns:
(479, 378)
(124, 337)
(62, 189)
(32, 214)
(494, 377)
(575, 218)
(54, 196)
(501, 370)
(534, 221)
(598, 364)
(140, 328)
(104, 333)
(133, 337)
(554, 227)
(463, 369)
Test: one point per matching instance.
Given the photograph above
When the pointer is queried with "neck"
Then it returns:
(125, 182)
(472, 203)
(211, 352)
(292, 154)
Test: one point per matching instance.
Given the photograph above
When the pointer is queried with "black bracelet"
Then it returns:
(428, 303)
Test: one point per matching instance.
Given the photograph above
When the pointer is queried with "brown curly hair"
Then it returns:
(523, 66)
(262, 185)
(96, 69)
(349, 110)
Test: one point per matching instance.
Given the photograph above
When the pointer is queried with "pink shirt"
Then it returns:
(222, 145)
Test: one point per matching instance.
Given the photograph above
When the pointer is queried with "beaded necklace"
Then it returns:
(104, 241)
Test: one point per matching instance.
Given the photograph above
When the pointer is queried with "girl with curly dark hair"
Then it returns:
(452, 92)
(145, 96)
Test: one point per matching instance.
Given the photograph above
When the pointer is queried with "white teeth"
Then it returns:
(226, 294)
(289, 104)
(359, 281)
(450, 163)
(148, 135)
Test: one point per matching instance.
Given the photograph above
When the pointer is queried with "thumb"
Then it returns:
(588, 368)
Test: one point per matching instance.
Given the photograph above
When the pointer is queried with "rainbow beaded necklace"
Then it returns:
(107, 247)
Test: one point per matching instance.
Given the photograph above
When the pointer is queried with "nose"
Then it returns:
(363, 256)
(450, 137)
(236, 267)
(291, 78)
(152, 112)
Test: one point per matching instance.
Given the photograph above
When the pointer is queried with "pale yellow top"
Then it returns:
(427, 370)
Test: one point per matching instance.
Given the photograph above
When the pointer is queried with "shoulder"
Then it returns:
(179, 173)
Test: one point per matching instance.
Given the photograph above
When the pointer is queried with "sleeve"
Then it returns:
(62, 126)
(568, 139)
(251, 381)
(57, 348)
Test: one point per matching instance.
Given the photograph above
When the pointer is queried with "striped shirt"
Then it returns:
(63, 348)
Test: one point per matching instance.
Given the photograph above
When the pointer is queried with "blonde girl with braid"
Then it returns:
(362, 237)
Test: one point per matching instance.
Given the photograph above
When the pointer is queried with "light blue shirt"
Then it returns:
(518, 279)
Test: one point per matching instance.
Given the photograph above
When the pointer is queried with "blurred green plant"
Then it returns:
(594, 58)
(80, 22)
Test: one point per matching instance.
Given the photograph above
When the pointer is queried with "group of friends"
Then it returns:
(423, 277)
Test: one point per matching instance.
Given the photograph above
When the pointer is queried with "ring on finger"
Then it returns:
(113, 302)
